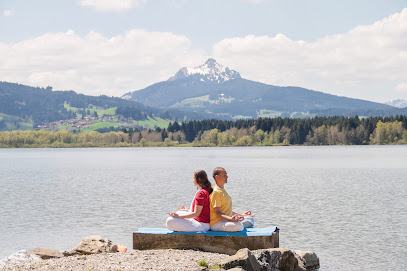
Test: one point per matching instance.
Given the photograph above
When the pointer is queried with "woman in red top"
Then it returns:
(197, 217)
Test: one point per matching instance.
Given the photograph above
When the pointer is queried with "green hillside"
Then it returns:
(24, 107)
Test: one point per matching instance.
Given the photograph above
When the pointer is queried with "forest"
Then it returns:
(210, 133)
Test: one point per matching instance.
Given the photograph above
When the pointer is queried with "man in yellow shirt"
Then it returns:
(223, 218)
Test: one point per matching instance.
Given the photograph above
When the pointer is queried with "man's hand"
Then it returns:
(237, 218)
(248, 214)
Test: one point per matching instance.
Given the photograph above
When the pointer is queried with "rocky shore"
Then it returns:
(168, 259)
(97, 253)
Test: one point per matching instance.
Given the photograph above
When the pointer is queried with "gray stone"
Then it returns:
(95, 244)
(46, 253)
(219, 244)
(309, 258)
(242, 259)
(279, 259)
(19, 257)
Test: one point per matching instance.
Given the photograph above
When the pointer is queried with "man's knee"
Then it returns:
(239, 226)
(235, 226)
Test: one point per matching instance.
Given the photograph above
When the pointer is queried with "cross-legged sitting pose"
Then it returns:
(223, 218)
(197, 217)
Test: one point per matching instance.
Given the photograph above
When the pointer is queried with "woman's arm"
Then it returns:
(197, 211)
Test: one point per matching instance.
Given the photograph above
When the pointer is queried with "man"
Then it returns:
(223, 218)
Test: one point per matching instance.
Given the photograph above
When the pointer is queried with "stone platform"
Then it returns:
(212, 241)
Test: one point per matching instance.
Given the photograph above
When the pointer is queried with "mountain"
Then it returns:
(213, 88)
(24, 107)
(399, 103)
(211, 71)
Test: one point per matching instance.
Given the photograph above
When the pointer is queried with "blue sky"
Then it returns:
(347, 48)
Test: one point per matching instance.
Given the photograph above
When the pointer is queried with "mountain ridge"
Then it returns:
(216, 89)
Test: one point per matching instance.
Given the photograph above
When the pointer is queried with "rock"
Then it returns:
(121, 248)
(243, 259)
(95, 244)
(279, 259)
(309, 258)
(46, 253)
(19, 257)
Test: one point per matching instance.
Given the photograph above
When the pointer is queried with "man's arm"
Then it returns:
(234, 218)
(245, 214)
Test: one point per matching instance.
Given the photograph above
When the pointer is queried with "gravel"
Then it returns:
(166, 259)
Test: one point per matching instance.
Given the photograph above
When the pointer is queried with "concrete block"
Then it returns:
(219, 242)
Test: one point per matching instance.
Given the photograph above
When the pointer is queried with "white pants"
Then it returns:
(225, 225)
(186, 224)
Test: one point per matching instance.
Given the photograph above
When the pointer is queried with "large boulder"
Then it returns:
(279, 259)
(46, 253)
(95, 244)
(19, 257)
(309, 258)
(243, 259)
(272, 259)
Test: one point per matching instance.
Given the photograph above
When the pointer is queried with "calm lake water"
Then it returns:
(346, 203)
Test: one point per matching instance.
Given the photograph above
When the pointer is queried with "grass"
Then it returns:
(193, 102)
(101, 124)
(264, 113)
(25, 125)
(6, 117)
(14, 123)
(203, 263)
(150, 123)
(92, 109)
(236, 117)
(302, 115)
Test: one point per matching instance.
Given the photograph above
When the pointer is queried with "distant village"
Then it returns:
(76, 123)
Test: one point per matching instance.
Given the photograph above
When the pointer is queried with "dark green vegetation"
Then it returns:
(261, 132)
(24, 107)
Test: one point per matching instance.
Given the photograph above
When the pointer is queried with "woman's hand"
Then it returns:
(173, 214)
(183, 208)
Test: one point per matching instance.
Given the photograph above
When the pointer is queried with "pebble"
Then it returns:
(166, 259)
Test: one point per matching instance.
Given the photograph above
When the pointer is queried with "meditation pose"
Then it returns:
(223, 218)
(196, 218)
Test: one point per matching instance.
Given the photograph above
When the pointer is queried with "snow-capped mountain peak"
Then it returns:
(400, 103)
(211, 71)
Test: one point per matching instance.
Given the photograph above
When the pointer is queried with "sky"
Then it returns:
(352, 48)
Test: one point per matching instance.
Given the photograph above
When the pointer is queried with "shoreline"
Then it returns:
(165, 259)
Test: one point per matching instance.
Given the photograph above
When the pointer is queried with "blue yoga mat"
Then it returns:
(246, 232)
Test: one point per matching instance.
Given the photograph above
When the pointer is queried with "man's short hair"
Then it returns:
(217, 171)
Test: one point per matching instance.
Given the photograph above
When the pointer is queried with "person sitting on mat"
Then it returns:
(198, 216)
(223, 218)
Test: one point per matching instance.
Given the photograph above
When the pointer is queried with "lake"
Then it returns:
(348, 204)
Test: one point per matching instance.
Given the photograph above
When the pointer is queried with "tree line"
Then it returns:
(260, 132)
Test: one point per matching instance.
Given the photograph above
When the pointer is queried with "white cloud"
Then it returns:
(252, 1)
(368, 62)
(351, 64)
(95, 64)
(8, 12)
(402, 87)
(111, 5)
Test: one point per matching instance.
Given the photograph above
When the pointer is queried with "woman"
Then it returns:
(197, 218)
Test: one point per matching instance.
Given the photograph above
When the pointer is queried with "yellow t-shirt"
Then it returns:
(220, 198)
